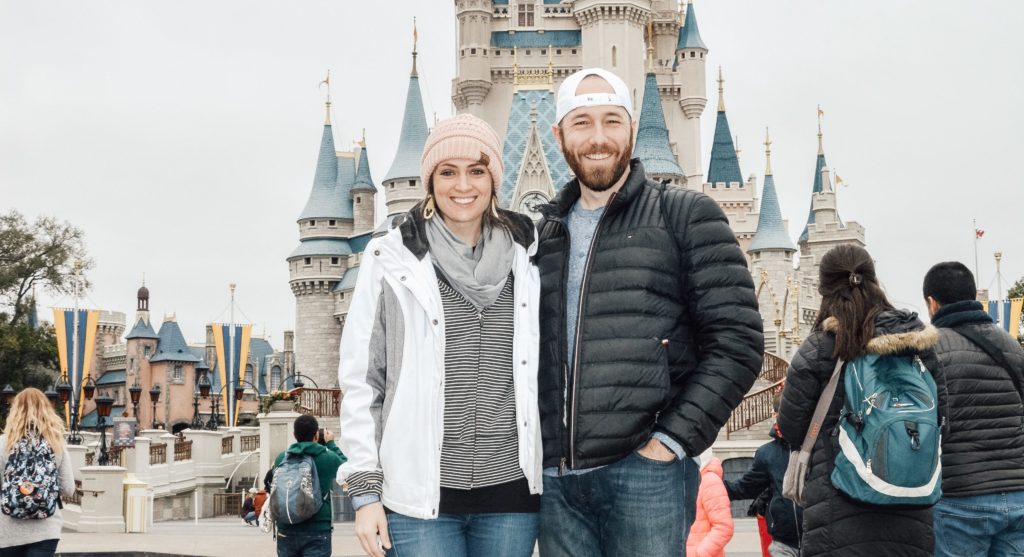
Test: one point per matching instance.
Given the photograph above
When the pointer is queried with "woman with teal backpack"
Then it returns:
(856, 322)
(36, 473)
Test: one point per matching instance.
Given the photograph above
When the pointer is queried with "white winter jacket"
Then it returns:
(392, 370)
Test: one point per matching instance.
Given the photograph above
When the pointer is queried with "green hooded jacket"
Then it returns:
(327, 459)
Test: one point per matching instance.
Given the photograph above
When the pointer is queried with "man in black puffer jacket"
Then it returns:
(650, 337)
(982, 507)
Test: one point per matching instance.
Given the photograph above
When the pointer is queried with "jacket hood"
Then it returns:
(311, 448)
(713, 466)
(896, 331)
(414, 232)
(562, 203)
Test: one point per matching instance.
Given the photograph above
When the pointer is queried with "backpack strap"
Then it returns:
(821, 409)
(993, 352)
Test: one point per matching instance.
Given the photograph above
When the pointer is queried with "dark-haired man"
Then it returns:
(312, 537)
(982, 507)
(650, 337)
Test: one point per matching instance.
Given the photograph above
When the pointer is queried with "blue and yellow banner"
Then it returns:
(76, 345)
(1016, 305)
(232, 344)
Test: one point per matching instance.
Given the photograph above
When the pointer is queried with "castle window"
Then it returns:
(543, 52)
(574, 51)
(472, 51)
(248, 373)
(312, 223)
(308, 261)
(615, 57)
(145, 351)
(558, 51)
(527, 52)
(462, 52)
(334, 261)
(496, 53)
(275, 378)
(526, 15)
(178, 375)
(693, 54)
(485, 52)
(332, 223)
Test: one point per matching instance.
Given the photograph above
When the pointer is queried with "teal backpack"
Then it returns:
(889, 433)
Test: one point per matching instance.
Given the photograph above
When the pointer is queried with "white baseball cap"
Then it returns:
(568, 100)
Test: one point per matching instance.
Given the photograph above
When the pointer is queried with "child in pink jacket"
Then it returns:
(713, 527)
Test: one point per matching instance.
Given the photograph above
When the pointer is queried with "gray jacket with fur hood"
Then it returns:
(833, 524)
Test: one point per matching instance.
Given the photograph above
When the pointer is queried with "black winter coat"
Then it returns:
(983, 448)
(782, 516)
(669, 335)
(835, 525)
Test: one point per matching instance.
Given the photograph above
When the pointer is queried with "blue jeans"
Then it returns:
(304, 545)
(980, 526)
(45, 548)
(463, 535)
(636, 506)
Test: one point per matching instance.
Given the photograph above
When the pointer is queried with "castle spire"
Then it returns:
(322, 202)
(415, 39)
(414, 130)
(819, 165)
(721, 91)
(821, 146)
(767, 153)
(652, 140)
(689, 34)
(327, 118)
(771, 229)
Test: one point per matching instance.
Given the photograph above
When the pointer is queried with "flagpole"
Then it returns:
(977, 278)
(231, 389)
(72, 369)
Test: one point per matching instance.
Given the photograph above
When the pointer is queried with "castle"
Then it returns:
(512, 55)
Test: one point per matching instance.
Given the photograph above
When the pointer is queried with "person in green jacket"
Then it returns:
(311, 538)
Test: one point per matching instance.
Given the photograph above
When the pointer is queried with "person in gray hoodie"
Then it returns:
(33, 423)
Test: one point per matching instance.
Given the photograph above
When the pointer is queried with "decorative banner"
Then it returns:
(1016, 305)
(1004, 316)
(124, 433)
(993, 311)
(76, 344)
(232, 343)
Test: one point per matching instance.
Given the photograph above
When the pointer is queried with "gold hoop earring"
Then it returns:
(428, 208)
(494, 206)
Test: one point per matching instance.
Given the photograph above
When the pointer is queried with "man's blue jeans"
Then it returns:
(304, 545)
(636, 506)
(980, 526)
(463, 535)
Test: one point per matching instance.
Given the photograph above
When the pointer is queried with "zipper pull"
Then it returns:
(561, 467)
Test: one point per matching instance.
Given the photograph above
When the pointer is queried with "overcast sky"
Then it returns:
(182, 136)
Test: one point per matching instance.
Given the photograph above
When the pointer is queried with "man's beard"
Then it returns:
(600, 179)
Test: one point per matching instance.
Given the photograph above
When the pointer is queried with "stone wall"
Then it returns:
(317, 336)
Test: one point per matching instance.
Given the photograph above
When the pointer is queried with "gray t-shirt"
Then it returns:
(582, 224)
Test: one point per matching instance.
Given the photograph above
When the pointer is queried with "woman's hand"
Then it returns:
(371, 522)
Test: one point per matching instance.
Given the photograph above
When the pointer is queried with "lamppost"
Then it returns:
(154, 397)
(297, 382)
(135, 392)
(6, 397)
(64, 391)
(214, 422)
(202, 391)
(52, 396)
(103, 404)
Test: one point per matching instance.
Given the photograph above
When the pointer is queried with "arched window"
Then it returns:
(275, 378)
(248, 374)
(615, 57)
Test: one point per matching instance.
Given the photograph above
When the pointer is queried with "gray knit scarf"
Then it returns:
(478, 273)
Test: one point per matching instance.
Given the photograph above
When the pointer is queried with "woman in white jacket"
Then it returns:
(439, 419)
(33, 446)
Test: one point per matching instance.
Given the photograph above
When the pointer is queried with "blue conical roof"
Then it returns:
(689, 34)
(171, 345)
(343, 185)
(724, 167)
(323, 203)
(652, 143)
(142, 329)
(818, 167)
(364, 180)
(414, 136)
(771, 232)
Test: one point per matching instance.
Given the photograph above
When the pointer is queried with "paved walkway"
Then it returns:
(230, 537)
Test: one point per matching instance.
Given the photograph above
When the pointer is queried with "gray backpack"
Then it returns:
(295, 495)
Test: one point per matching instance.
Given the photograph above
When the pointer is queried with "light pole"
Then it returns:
(103, 404)
(135, 391)
(65, 391)
(6, 397)
(154, 397)
(202, 391)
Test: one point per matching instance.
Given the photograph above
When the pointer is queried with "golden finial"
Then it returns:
(362, 142)
(650, 47)
(767, 153)
(327, 82)
(821, 146)
(721, 91)
(415, 40)
(551, 64)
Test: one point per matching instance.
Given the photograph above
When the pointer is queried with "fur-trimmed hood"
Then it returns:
(896, 331)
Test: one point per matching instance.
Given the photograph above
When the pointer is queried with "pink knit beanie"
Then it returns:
(462, 137)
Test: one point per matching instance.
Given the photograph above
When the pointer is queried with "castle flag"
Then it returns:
(1016, 305)
(232, 345)
(76, 344)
